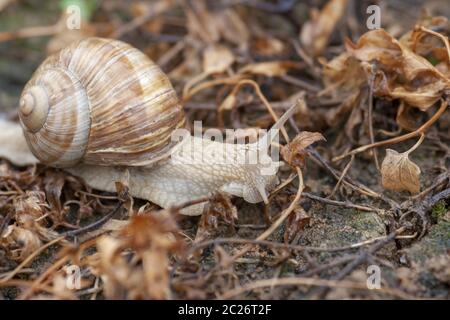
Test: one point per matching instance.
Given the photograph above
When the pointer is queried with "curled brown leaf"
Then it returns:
(399, 72)
(19, 242)
(296, 222)
(294, 153)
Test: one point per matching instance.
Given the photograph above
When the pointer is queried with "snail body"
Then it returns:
(102, 104)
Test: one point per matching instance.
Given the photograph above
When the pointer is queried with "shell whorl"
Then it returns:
(108, 104)
(60, 138)
(33, 108)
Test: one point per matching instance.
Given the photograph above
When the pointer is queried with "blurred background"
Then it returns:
(175, 33)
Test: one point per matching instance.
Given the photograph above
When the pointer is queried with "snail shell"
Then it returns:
(99, 101)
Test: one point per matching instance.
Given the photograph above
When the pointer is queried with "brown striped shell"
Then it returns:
(99, 101)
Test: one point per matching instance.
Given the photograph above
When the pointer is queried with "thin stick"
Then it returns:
(395, 140)
(96, 224)
(299, 83)
(5, 221)
(344, 173)
(370, 120)
(336, 173)
(29, 259)
(263, 99)
(292, 247)
(309, 282)
(288, 211)
(362, 257)
(36, 284)
(339, 203)
(177, 208)
(30, 32)
(417, 144)
(211, 83)
(280, 220)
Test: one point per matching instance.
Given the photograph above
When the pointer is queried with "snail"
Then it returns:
(103, 104)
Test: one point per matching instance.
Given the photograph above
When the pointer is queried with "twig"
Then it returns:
(300, 83)
(296, 281)
(95, 225)
(211, 83)
(292, 247)
(29, 259)
(440, 196)
(417, 144)
(328, 266)
(279, 221)
(370, 120)
(363, 256)
(177, 208)
(55, 266)
(263, 100)
(286, 212)
(342, 176)
(340, 203)
(30, 32)
(347, 181)
(171, 53)
(441, 179)
(5, 221)
(404, 137)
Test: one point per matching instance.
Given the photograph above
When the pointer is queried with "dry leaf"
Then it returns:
(267, 46)
(404, 118)
(421, 97)
(376, 45)
(294, 153)
(399, 72)
(217, 59)
(32, 203)
(231, 27)
(201, 23)
(219, 208)
(152, 239)
(270, 69)
(336, 114)
(296, 222)
(316, 33)
(398, 173)
(53, 185)
(19, 242)
(343, 75)
(210, 26)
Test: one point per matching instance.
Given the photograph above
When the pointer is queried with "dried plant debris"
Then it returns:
(399, 173)
(315, 33)
(295, 152)
(346, 197)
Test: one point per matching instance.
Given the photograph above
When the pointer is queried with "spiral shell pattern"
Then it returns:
(108, 104)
